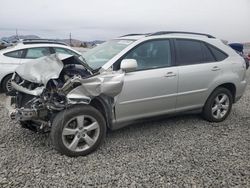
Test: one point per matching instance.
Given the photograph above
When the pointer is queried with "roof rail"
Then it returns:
(133, 34)
(42, 41)
(179, 32)
(45, 42)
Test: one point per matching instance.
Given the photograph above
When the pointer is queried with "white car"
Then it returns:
(12, 57)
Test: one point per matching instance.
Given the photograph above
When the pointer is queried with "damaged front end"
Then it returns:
(48, 85)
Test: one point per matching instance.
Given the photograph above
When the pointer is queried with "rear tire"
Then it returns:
(218, 105)
(78, 131)
(6, 84)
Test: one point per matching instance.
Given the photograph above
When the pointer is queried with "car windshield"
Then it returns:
(101, 54)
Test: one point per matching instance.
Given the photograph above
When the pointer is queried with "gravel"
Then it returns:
(183, 151)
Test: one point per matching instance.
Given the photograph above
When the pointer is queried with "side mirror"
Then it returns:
(128, 65)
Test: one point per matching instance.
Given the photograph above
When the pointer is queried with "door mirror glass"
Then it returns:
(128, 65)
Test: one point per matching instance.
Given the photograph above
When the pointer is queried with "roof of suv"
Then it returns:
(139, 38)
(169, 34)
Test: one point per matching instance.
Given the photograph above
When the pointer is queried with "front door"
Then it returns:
(152, 88)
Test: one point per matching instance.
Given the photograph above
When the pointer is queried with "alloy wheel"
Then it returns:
(220, 106)
(8, 85)
(80, 133)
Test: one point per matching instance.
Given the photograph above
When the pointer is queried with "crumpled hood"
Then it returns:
(46, 68)
(43, 69)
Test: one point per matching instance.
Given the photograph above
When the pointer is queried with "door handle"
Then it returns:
(215, 68)
(170, 74)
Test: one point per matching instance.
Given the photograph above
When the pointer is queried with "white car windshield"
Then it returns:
(101, 54)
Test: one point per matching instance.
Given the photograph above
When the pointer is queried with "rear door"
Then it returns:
(152, 88)
(198, 70)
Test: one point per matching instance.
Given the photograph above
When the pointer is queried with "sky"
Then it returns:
(105, 19)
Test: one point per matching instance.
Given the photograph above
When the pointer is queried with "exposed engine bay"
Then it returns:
(45, 86)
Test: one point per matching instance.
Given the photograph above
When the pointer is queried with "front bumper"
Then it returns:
(21, 114)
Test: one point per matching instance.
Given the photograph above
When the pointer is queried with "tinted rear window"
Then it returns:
(189, 52)
(15, 54)
(207, 55)
(195, 52)
(218, 54)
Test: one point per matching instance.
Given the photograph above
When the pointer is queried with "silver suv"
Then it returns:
(129, 78)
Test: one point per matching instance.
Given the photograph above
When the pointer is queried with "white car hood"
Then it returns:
(43, 69)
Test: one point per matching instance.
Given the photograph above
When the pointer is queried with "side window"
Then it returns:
(15, 54)
(218, 54)
(189, 52)
(33, 53)
(152, 54)
(65, 51)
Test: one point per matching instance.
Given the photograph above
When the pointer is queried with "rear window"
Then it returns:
(196, 52)
(207, 54)
(218, 54)
(15, 54)
(189, 52)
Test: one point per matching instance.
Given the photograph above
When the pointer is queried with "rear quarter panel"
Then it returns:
(233, 71)
(7, 66)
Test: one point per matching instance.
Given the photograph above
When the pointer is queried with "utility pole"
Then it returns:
(70, 39)
(17, 34)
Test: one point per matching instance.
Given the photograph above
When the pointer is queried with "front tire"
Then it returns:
(6, 84)
(78, 131)
(218, 105)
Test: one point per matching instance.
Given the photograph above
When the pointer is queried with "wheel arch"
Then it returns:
(228, 85)
(104, 105)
